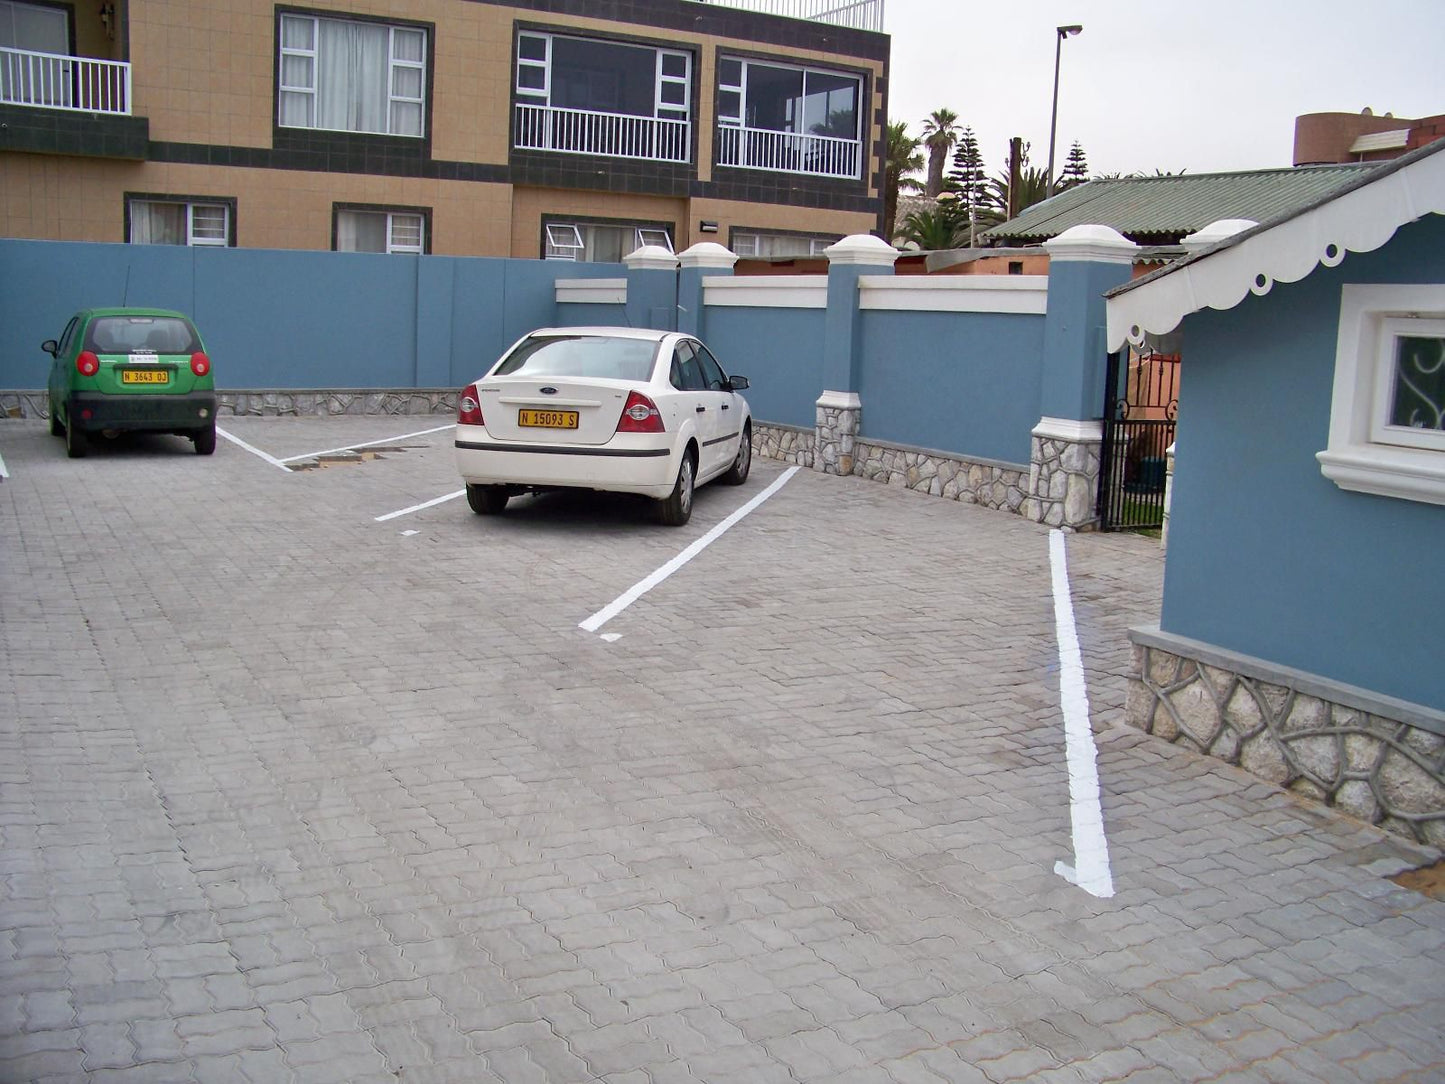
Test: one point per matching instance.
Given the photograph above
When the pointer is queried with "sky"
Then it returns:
(1202, 85)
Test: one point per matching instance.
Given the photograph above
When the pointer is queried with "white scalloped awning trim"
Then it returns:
(1358, 221)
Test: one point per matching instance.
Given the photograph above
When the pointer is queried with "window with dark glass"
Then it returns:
(585, 95)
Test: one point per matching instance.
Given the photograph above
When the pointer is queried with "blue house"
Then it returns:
(1300, 633)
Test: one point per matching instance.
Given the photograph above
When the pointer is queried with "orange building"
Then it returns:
(458, 127)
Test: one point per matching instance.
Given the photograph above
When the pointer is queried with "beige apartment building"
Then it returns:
(456, 127)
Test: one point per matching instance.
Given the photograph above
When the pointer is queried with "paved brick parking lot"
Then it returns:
(288, 793)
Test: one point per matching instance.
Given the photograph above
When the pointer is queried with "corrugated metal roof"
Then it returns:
(1156, 208)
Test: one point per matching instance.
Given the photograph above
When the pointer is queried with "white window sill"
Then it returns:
(1412, 474)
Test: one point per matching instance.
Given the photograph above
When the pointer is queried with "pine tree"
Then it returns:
(969, 184)
(1076, 169)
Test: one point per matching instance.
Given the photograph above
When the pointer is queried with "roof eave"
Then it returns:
(1359, 217)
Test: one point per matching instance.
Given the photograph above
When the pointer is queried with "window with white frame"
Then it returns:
(1387, 414)
(759, 243)
(783, 117)
(600, 242)
(587, 96)
(380, 231)
(350, 76)
(179, 222)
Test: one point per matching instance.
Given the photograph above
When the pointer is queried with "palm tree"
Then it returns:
(903, 158)
(1033, 188)
(940, 133)
(935, 230)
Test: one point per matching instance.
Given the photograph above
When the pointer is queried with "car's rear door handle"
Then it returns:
(702, 410)
(727, 406)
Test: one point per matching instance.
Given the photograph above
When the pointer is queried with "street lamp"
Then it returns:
(1063, 32)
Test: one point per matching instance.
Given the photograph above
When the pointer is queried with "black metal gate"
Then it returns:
(1141, 402)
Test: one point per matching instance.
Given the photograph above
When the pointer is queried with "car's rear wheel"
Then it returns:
(56, 429)
(488, 500)
(204, 440)
(76, 442)
(738, 473)
(675, 509)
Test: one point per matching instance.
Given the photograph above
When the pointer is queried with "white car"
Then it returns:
(618, 409)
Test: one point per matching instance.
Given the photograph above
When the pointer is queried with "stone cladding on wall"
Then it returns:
(24, 404)
(324, 403)
(1374, 767)
(787, 443)
(992, 485)
(33, 404)
(1063, 483)
(837, 434)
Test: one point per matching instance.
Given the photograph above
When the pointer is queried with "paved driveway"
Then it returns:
(290, 792)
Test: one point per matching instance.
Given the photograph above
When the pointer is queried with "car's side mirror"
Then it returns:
(737, 383)
(50, 346)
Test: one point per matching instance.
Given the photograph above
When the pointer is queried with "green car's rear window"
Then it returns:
(129, 334)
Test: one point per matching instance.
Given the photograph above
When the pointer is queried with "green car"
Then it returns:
(130, 370)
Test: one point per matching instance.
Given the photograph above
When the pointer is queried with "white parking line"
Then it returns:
(637, 590)
(3, 472)
(1090, 870)
(254, 451)
(368, 443)
(419, 507)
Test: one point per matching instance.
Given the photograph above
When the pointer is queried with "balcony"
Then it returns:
(858, 14)
(788, 152)
(52, 81)
(614, 135)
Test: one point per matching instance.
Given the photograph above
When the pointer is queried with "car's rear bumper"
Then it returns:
(649, 471)
(96, 410)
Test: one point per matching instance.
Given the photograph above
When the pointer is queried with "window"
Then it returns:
(779, 117)
(685, 373)
(600, 242)
(758, 244)
(349, 76)
(380, 231)
(711, 371)
(35, 28)
(600, 97)
(179, 222)
(1387, 415)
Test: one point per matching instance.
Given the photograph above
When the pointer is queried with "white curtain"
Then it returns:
(351, 83)
(360, 231)
(157, 223)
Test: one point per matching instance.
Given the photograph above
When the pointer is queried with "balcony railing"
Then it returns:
(788, 152)
(616, 135)
(53, 81)
(859, 14)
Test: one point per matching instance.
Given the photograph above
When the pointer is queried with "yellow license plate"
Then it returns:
(145, 376)
(547, 419)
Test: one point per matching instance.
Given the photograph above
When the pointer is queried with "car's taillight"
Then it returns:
(640, 415)
(469, 406)
(200, 364)
(86, 363)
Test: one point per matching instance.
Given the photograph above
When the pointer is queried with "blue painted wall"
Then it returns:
(1266, 555)
(288, 319)
(780, 351)
(579, 314)
(967, 383)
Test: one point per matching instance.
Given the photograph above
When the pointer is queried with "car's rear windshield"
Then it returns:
(597, 356)
(141, 334)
